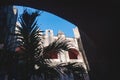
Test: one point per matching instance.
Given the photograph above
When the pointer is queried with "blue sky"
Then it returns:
(50, 21)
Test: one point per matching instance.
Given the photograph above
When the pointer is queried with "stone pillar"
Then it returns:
(11, 23)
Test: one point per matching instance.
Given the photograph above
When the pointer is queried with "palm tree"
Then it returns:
(30, 49)
(29, 44)
(28, 40)
(30, 34)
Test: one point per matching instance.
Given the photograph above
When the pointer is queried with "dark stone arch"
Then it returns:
(94, 19)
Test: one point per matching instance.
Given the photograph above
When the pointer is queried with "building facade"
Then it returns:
(73, 55)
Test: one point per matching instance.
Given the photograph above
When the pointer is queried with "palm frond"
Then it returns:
(58, 45)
